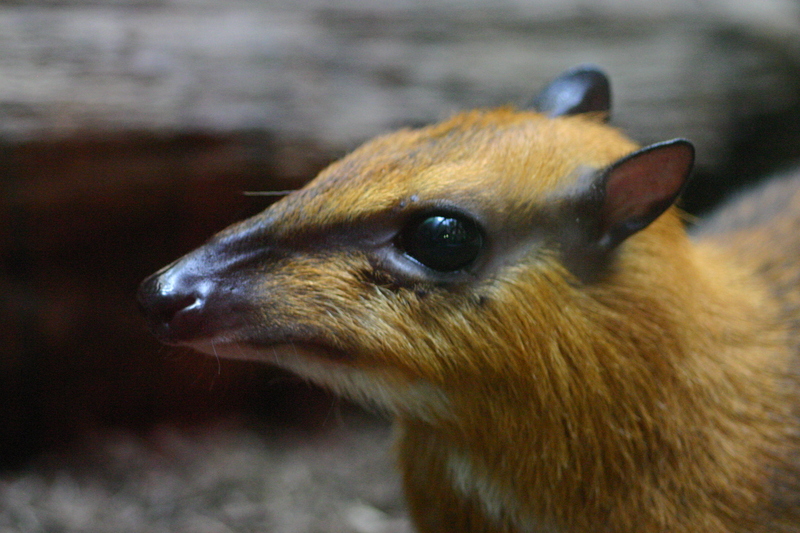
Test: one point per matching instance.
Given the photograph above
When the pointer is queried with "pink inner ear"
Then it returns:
(638, 189)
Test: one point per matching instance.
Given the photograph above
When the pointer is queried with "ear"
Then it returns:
(637, 189)
(583, 89)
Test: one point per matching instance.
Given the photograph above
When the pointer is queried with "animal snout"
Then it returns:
(175, 303)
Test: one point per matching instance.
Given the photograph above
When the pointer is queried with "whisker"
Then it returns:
(335, 412)
(219, 364)
(275, 355)
(268, 193)
(241, 351)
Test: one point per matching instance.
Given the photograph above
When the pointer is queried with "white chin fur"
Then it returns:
(272, 354)
(376, 387)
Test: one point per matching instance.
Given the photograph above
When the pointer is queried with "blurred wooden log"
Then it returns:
(338, 72)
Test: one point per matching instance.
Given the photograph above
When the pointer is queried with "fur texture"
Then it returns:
(656, 394)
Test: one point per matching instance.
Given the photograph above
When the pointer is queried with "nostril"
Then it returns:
(167, 306)
(203, 295)
(162, 304)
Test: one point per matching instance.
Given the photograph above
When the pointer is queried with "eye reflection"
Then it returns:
(445, 243)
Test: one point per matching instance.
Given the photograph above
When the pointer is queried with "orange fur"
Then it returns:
(656, 398)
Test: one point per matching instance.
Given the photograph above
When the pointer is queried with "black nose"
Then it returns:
(175, 301)
(161, 303)
(208, 293)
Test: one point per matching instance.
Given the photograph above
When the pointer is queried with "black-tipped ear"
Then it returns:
(638, 188)
(583, 89)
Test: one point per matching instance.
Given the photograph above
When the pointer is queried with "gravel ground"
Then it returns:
(221, 479)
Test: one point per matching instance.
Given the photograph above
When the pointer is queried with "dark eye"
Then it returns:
(445, 243)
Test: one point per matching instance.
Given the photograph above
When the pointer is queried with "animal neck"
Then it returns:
(638, 397)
